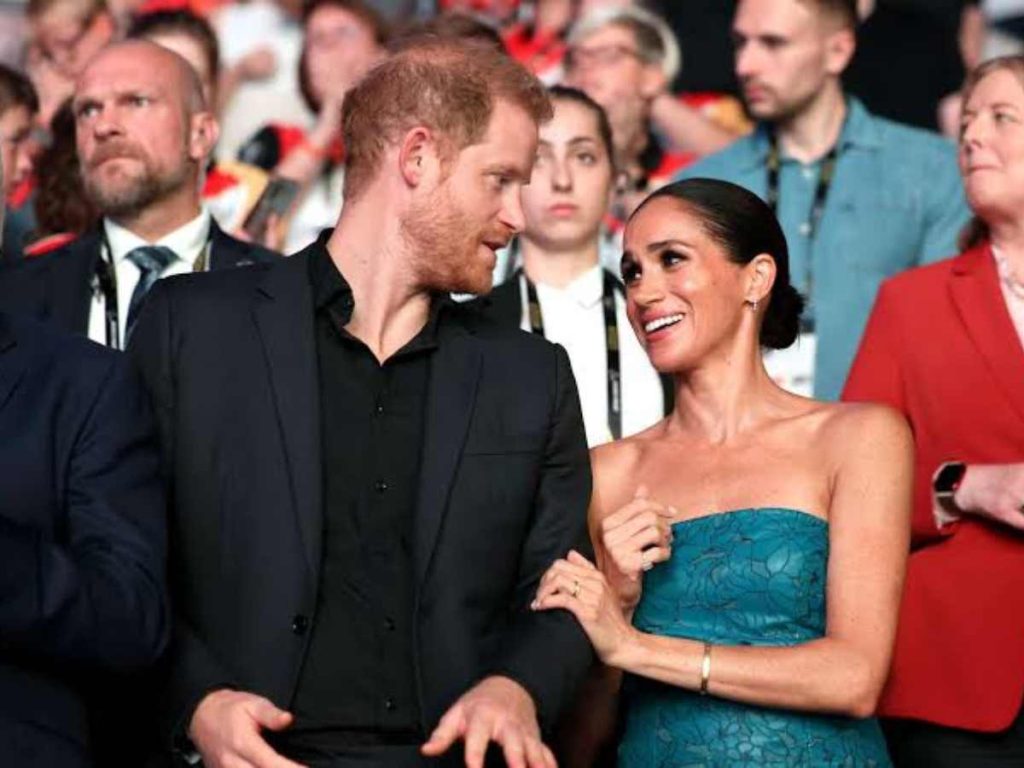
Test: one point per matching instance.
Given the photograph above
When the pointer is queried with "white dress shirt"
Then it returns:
(574, 317)
(187, 242)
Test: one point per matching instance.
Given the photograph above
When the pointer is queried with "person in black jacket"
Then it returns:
(143, 135)
(367, 479)
(82, 539)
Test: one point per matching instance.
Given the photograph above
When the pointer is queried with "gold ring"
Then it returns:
(575, 588)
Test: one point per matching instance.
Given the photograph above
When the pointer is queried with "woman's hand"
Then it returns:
(995, 491)
(576, 585)
(635, 538)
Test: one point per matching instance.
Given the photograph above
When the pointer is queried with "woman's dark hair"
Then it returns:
(740, 222)
(61, 204)
(604, 128)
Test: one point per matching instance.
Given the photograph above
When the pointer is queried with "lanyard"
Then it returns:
(105, 283)
(611, 336)
(828, 172)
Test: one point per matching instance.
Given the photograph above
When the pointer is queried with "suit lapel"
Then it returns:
(225, 251)
(454, 376)
(70, 280)
(12, 366)
(283, 311)
(977, 295)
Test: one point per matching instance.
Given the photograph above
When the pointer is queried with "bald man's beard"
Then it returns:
(446, 245)
(132, 190)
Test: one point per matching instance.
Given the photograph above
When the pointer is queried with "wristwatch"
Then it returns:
(945, 481)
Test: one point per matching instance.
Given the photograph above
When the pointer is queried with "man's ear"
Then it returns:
(205, 130)
(839, 49)
(417, 155)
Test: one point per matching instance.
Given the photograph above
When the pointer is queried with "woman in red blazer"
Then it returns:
(944, 345)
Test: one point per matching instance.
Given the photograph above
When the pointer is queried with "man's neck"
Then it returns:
(159, 220)
(390, 305)
(558, 268)
(809, 135)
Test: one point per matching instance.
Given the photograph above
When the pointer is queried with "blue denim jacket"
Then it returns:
(896, 202)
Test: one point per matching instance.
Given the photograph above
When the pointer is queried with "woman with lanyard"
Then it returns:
(561, 291)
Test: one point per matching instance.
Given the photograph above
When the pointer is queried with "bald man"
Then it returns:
(144, 137)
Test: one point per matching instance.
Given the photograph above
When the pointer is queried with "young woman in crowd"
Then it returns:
(751, 546)
(943, 345)
(562, 291)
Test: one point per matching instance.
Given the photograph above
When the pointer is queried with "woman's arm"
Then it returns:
(844, 671)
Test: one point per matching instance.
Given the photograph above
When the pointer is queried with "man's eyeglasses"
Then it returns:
(599, 55)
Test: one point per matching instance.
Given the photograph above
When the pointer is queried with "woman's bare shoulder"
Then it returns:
(615, 465)
(851, 429)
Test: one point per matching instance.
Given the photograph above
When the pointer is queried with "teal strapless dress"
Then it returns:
(746, 577)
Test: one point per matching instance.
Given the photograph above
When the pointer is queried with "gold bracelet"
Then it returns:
(705, 669)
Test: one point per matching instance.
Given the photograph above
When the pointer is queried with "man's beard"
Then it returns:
(128, 195)
(446, 243)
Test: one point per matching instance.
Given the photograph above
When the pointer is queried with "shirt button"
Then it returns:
(805, 229)
(300, 624)
(389, 705)
(380, 486)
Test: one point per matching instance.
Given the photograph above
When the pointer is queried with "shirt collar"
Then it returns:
(860, 129)
(187, 241)
(586, 290)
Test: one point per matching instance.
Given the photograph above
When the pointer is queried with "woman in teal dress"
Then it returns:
(751, 546)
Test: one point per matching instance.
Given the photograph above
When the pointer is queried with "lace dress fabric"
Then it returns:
(745, 577)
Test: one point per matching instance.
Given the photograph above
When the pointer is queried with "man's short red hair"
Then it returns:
(449, 87)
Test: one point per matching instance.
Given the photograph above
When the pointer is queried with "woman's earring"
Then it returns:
(753, 304)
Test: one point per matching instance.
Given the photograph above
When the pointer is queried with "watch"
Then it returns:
(945, 481)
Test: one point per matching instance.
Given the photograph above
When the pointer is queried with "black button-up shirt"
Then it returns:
(357, 682)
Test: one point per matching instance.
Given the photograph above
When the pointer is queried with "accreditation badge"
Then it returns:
(793, 368)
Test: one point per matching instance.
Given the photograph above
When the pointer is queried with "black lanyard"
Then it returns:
(828, 172)
(106, 283)
(611, 337)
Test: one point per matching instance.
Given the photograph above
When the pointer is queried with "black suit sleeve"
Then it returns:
(192, 670)
(94, 594)
(547, 652)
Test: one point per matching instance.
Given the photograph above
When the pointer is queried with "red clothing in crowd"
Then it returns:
(940, 347)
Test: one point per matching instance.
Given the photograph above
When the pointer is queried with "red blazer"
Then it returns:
(940, 347)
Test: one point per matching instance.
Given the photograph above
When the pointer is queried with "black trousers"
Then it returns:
(915, 744)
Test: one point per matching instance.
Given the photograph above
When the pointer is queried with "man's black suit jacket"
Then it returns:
(230, 361)
(82, 537)
(58, 286)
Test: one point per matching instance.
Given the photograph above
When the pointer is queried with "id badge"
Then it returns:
(793, 368)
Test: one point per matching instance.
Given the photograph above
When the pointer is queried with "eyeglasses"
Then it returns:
(599, 55)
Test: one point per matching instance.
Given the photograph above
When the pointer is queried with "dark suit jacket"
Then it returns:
(82, 537)
(940, 346)
(230, 361)
(504, 305)
(57, 287)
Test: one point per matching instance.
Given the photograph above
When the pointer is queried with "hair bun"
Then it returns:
(782, 318)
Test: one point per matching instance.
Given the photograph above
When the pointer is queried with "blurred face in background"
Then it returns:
(68, 34)
(340, 47)
(992, 146)
(17, 147)
(785, 52)
(567, 197)
(607, 66)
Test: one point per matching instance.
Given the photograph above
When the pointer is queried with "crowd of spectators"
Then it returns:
(847, 118)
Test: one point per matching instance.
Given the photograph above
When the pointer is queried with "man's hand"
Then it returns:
(497, 709)
(226, 730)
